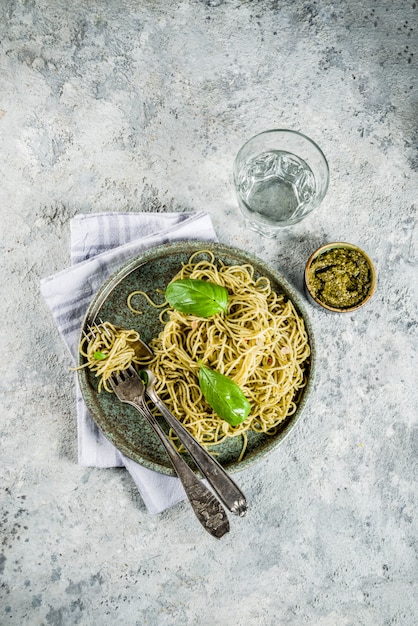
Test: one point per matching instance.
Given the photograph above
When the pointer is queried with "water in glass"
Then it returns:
(276, 185)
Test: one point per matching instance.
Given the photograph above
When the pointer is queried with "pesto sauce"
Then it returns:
(340, 278)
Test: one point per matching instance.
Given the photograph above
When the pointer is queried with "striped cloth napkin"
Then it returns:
(100, 244)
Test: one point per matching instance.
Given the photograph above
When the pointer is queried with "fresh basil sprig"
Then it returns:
(197, 297)
(223, 395)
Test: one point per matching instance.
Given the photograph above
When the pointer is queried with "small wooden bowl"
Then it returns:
(315, 299)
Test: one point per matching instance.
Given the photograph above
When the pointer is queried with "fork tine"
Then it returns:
(118, 377)
(103, 325)
(131, 371)
(92, 329)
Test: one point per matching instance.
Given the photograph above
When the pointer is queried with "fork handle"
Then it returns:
(209, 511)
(218, 478)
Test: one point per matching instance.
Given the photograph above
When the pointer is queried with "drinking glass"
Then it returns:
(280, 177)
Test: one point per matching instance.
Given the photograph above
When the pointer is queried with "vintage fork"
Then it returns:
(220, 481)
(130, 389)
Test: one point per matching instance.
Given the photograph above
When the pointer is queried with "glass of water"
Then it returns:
(280, 176)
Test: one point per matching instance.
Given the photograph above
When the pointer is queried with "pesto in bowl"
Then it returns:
(339, 277)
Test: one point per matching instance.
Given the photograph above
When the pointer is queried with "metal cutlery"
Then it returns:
(230, 494)
(220, 481)
(130, 389)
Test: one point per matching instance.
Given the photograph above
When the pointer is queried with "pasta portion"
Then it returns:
(260, 343)
(108, 349)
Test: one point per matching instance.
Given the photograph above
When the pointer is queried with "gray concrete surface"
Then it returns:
(141, 106)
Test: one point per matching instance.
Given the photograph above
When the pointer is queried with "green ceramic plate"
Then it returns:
(121, 423)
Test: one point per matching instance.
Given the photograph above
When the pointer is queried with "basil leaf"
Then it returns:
(223, 395)
(196, 296)
(99, 356)
(143, 375)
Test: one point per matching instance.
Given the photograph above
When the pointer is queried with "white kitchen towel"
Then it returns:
(100, 243)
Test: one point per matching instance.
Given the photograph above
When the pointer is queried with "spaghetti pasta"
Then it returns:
(108, 349)
(261, 343)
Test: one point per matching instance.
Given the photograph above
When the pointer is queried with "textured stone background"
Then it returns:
(142, 106)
